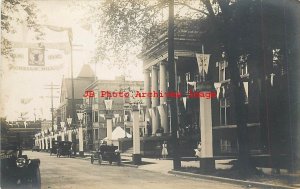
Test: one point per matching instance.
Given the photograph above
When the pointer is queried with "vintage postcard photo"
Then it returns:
(150, 94)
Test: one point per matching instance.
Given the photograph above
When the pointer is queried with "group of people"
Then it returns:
(164, 150)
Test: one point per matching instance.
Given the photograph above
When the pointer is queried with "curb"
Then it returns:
(232, 181)
(129, 165)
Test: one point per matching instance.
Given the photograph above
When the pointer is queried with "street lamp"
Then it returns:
(108, 117)
(80, 133)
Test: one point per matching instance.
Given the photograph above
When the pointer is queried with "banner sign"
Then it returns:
(36, 57)
(203, 61)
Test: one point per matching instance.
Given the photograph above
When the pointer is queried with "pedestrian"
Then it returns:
(164, 151)
(157, 150)
(198, 150)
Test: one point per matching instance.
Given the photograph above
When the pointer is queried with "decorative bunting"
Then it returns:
(184, 102)
(160, 110)
(203, 61)
(246, 88)
(150, 112)
(194, 84)
(217, 87)
(272, 78)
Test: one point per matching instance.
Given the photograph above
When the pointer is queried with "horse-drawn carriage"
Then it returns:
(106, 153)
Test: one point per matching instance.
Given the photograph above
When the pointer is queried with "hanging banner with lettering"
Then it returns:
(48, 54)
(36, 57)
(203, 61)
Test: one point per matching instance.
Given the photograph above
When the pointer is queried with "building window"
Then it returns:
(96, 116)
(224, 111)
(225, 145)
(96, 134)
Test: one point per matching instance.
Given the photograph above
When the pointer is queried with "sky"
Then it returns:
(25, 91)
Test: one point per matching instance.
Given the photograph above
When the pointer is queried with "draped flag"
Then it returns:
(203, 61)
(194, 84)
(150, 112)
(184, 102)
(217, 86)
(246, 88)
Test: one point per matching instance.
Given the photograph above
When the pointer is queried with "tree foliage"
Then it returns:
(14, 13)
(232, 26)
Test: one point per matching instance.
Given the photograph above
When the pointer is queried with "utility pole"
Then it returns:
(52, 108)
(173, 87)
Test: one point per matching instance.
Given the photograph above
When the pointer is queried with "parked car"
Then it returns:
(54, 148)
(106, 153)
(17, 170)
(64, 149)
(36, 148)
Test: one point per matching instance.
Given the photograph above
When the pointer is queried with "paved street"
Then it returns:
(78, 173)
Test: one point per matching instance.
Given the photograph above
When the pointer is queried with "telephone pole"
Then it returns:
(173, 87)
(52, 87)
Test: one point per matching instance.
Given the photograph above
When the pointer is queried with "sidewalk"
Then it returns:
(165, 166)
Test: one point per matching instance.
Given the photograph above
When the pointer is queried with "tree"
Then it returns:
(16, 12)
(234, 27)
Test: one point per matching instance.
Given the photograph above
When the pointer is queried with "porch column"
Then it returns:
(43, 142)
(109, 128)
(155, 99)
(46, 140)
(70, 135)
(163, 100)
(147, 100)
(206, 161)
(62, 136)
(50, 141)
(80, 137)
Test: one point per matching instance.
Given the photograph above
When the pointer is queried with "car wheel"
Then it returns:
(92, 159)
(100, 159)
(36, 179)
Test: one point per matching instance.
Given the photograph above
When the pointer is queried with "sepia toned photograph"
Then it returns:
(170, 94)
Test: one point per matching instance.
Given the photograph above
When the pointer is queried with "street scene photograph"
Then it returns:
(170, 94)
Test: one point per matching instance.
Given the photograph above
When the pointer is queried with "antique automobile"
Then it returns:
(17, 170)
(64, 149)
(54, 148)
(106, 153)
